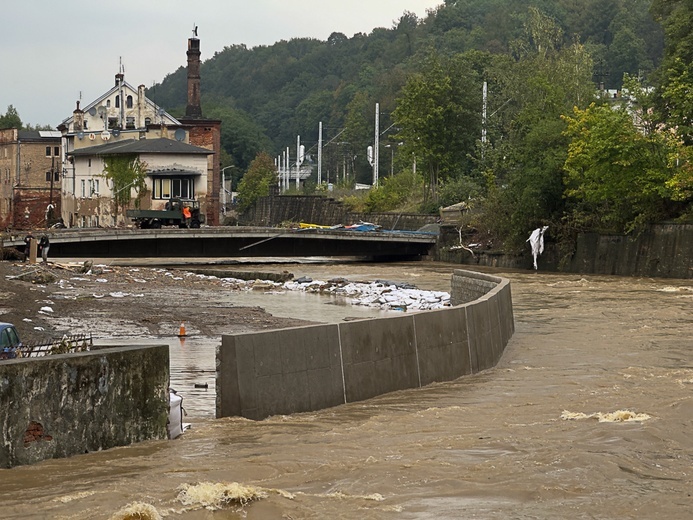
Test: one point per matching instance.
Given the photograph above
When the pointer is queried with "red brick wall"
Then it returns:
(206, 133)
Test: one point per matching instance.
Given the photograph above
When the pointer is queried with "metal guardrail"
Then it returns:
(64, 345)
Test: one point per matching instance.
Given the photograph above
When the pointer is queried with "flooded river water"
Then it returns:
(540, 436)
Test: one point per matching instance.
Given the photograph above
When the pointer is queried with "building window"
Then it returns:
(84, 125)
(56, 151)
(84, 188)
(93, 187)
(147, 122)
(48, 151)
(129, 122)
(48, 176)
(117, 101)
(56, 176)
(89, 162)
(128, 102)
(108, 103)
(112, 122)
(173, 188)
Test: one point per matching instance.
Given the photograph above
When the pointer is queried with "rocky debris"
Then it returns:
(11, 253)
(36, 275)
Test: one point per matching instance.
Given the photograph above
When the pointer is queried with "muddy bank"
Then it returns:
(135, 301)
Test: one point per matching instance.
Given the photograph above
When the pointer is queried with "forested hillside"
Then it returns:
(268, 95)
(568, 113)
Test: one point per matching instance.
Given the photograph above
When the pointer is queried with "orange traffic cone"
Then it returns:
(181, 332)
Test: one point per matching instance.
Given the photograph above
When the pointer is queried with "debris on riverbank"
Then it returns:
(382, 294)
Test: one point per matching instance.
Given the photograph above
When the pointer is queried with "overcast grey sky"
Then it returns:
(52, 51)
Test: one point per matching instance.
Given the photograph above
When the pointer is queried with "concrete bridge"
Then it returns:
(233, 242)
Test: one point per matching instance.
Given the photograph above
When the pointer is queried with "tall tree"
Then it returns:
(126, 174)
(616, 171)
(675, 75)
(11, 118)
(439, 117)
(257, 181)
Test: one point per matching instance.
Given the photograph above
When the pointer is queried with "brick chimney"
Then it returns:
(78, 118)
(194, 109)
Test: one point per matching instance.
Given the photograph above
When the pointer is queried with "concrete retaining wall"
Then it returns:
(315, 209)
(309, 368)
(63, 405)
(662, 250)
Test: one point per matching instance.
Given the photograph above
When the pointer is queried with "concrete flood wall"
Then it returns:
(662, 251)
(310, 368)
(63, 405)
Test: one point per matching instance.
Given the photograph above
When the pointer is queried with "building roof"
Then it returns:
(38, 135)
(114, 90)
(135, 146)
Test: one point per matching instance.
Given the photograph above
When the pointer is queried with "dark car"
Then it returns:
(9, 341)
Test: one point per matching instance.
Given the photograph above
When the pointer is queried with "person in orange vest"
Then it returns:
(187, 215)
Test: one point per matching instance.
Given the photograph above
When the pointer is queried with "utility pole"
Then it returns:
(320, 153)
(298, 162)
(287, 169)
(376, 147)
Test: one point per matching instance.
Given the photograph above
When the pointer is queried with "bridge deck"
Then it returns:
(232, 242)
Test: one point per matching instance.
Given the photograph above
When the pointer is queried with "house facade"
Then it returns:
(174, 169)
(30, 178)
(124, 122)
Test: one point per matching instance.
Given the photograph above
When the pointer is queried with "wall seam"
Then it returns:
(341, 362)
(469, 340)
(416, 351)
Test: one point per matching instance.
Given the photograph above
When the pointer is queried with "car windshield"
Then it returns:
(9, 338)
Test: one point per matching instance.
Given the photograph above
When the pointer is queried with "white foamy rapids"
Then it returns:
(216, 495)
(137, 511)
(617, 416)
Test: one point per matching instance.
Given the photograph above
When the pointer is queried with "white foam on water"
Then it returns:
(613, 417)
(217, 495)
(137, 511)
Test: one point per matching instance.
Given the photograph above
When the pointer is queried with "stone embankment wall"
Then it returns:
(310, 368)
(662, 251)
(315, 209)
(63, 405)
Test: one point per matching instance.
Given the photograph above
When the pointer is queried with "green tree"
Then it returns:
(439, 117)
(257, 181)
(241, 137)
(675, 75)
(616, 172)
(525, 158)
(11, 119)
(126, 174)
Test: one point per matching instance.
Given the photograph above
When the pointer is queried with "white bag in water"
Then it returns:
(175, 415)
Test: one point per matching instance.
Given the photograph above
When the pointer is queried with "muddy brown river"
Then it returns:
(589, 414)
